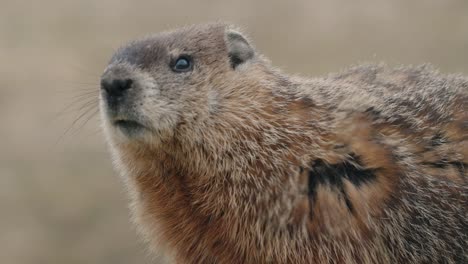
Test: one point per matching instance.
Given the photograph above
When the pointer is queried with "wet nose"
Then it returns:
(116, 88)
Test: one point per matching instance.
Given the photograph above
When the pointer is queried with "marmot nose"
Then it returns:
(116, 88)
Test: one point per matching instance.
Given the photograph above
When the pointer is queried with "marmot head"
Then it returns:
(157, 84)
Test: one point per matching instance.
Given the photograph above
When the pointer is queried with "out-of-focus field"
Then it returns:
(60, 200)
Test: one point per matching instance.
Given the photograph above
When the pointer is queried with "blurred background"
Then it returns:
(60, 200)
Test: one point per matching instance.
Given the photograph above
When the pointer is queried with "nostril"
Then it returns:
(126, 84)
(116, 87)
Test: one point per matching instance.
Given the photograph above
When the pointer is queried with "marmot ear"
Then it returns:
(239, 49)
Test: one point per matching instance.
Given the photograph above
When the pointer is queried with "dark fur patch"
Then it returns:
(444, 163)
(235, 60)
(440, 164)
(374, 113)
(333, 175)
(437, 140)
(461, 167)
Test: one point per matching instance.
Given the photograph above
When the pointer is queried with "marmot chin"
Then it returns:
(228, 160)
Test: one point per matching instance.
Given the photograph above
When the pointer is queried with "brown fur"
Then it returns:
(239, 164)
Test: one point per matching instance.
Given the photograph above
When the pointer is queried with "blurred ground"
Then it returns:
(60, 200)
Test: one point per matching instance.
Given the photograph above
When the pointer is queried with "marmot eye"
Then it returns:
(182, 64)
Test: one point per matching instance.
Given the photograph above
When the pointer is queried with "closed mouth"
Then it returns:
(129, 127)
(127, 123)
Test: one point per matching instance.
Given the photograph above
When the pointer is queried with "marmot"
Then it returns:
(229, 160)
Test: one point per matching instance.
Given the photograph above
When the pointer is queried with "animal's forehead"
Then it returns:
(200, 39)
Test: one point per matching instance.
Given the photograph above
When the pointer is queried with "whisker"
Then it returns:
(78, 89)
(82, 70)
(77, 105)
(87, 110)
(86, 83)
(85, 94)
(86, 120)
(88, 104)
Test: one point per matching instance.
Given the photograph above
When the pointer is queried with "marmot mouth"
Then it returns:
(129, 127)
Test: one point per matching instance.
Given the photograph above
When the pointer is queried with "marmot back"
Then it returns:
(228, 160)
